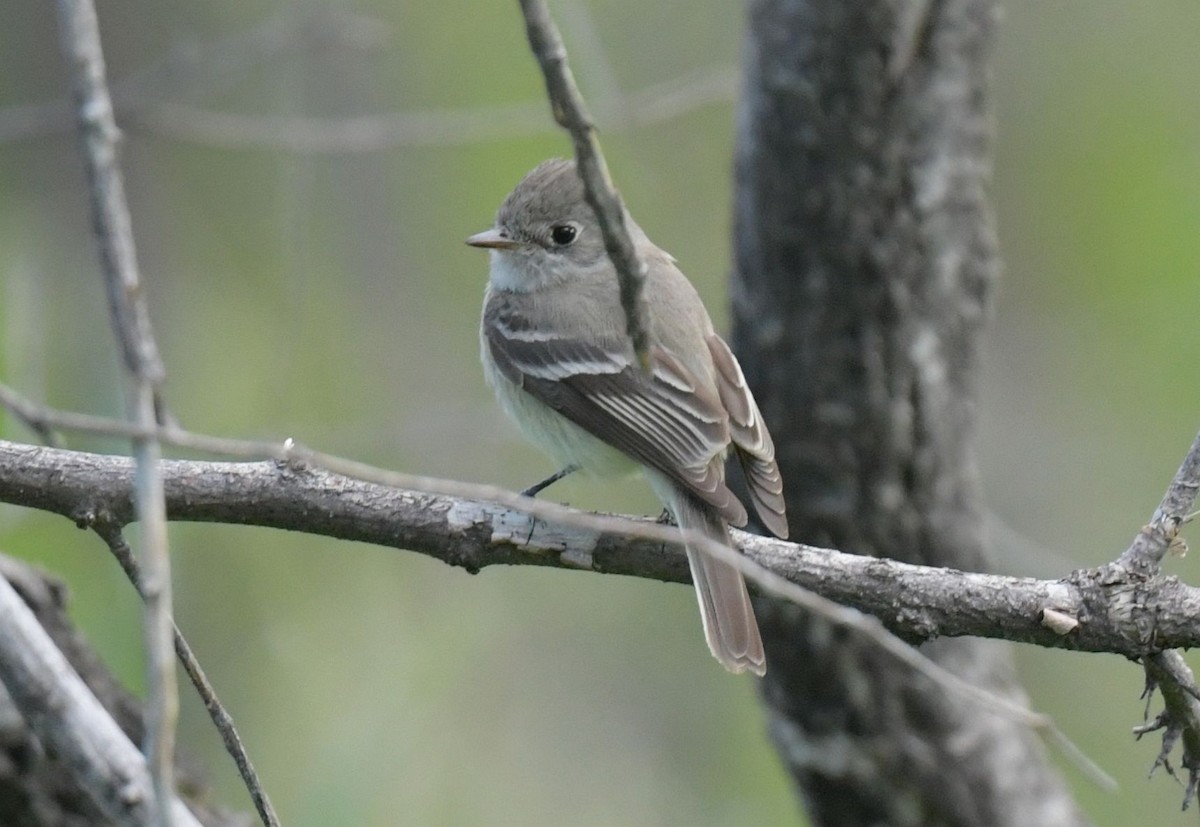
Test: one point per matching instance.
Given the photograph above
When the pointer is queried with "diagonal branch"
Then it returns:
(222, 720)
(571, 113)
(1166, 671)
(110, 212)
(1148, 548)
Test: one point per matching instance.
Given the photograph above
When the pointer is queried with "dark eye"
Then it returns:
(563, 234)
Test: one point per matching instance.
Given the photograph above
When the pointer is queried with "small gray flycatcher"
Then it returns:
(556, 352)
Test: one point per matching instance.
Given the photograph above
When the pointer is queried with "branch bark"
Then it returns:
(1146, 552)
(572, 114)
(1128, 617)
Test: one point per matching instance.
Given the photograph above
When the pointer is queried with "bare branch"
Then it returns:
(80, 35)
(916, 602)
(1180, 718)
(1097, 610)
(1107, 613)
(1154, 540)
(110, 212)
(222, 720)
(70, 721)
(30, 416)
(1166, 671)
(479, 526)
(769, 582)
(39, 418)
(571, 113)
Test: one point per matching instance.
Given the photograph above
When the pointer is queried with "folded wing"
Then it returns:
(751, 440)
(663, 417)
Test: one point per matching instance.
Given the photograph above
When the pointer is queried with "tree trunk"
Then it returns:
(865, 260)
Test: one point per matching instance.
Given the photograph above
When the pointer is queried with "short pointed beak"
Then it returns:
(493, 239)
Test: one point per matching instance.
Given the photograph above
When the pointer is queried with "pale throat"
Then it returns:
(507, 273)
(516, 272)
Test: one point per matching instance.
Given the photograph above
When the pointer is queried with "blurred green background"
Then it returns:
(323, 292)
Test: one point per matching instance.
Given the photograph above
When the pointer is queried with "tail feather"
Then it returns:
(729, 625)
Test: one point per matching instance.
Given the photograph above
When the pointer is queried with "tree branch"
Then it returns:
(1131, 618)
(1180, 719)
(217, 713)
(71, 722)
(99, 137)
(571, 113)
(80, 36)
(1151, 544)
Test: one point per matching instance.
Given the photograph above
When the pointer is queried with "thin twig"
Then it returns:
(110, 212)
(1148, 548)
(1180, 719)
(38, 417)
(1167, 670)
(31, 419)
(222, 720)
(571, 113)
(80, 38)
(152, 100)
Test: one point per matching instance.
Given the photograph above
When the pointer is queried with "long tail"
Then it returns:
(729, 624)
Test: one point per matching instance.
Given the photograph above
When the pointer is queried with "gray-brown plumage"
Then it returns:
(555, 349)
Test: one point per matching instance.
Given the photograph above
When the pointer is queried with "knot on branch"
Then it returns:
(1134, 605)
(90, 514)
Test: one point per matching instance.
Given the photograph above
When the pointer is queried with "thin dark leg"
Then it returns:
(534, 490)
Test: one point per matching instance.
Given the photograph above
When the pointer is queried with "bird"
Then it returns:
(556, 352)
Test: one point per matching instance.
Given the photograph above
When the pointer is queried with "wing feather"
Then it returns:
(663, 418)
(751, 439)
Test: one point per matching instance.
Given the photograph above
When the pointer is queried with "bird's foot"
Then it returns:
(537, 488)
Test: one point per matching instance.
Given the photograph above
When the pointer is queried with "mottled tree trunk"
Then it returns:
(865, 261)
